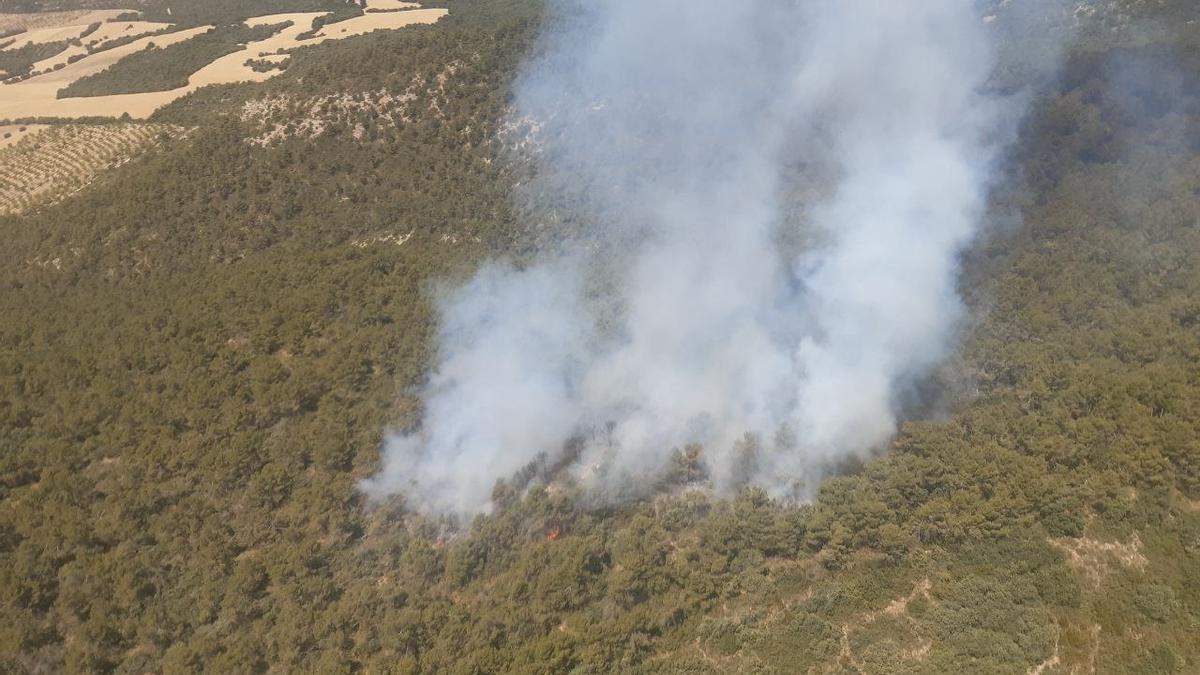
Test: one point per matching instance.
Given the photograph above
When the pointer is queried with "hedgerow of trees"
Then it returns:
(163, 68)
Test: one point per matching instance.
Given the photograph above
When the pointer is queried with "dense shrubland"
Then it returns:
(188, 401)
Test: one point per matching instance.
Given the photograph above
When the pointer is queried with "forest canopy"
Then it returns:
(189, 396)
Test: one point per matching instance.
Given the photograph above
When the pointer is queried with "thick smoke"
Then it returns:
(703, 302)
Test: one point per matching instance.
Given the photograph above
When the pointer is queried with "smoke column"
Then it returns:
(697, 304)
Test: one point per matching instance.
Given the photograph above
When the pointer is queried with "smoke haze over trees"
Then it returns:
(690, 309)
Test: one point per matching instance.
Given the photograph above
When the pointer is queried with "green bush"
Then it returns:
(1155, 601)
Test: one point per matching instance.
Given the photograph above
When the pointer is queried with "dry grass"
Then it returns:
(43, 167)
(1093, 557)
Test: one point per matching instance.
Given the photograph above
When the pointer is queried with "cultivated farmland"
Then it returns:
(40, 168)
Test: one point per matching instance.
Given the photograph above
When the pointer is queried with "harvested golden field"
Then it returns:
(96, 40)
(48, 163)
(389, 5)
(40, 36)
(38, 95)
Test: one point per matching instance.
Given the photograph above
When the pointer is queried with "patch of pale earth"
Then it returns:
(35, 20)
(390, 238)
(1093, 557)
(521, 134)
(899, 606)
(280, 117)
(95, 41)
(12, 133)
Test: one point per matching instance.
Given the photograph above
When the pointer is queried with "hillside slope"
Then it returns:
(190, 395)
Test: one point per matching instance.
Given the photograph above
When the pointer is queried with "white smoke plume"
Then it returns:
(702, 303)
